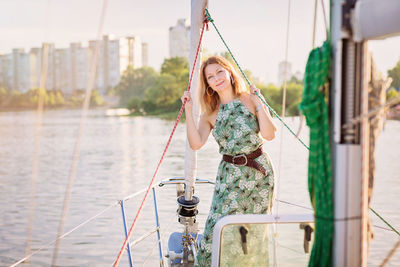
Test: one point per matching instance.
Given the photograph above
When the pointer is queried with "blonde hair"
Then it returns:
(209, 103)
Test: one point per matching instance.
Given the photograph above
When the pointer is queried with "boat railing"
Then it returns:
(170, 181)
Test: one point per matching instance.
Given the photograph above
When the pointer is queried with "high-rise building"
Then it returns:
(130, 52)
(145, 54)
(79, 60)
(284, 71)
(179, 39)
(35, 64)
(69, 69)
(99, 81)
(62, 64)
(114, 62)
(6, 72)
(51, 67)
(115, 54)
(20, 65)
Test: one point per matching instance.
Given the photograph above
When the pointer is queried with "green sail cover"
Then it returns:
(315, 110)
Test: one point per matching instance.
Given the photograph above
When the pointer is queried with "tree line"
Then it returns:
(144, 90)
(51, 98)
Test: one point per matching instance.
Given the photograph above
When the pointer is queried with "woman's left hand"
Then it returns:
(254, 91)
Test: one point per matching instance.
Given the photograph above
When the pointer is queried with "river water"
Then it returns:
(118, 156)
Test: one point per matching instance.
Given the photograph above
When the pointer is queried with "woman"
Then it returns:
(236, 118)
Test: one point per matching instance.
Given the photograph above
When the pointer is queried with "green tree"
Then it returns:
(247, 72)
(272, 95)
(52, 99)
(3, 95)
(177, 67)
(166, 92)
(96, 99)
(295, 80)
(135, 104)
(293, 98)
(165, 95)
(134, 83)
(392, 93)
(60, 101)
(395, 75)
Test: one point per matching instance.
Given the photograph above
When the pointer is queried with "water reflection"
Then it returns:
(118, 157)
(125, 143)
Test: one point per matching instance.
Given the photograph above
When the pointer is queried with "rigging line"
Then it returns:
(162, 156)
(393, 101)
(296, 205)
(64, 235)
(76, 153)
(304, 207)
(248, 82)
(315, 23)
(285, 73)
(265, 103)
(312, 47)
(156, 244)
(392, 251)
(325, 20)
(388, 224)
(283, 114)
(383, 228)
(38, 130)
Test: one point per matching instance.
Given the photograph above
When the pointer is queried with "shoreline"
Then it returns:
(170, 115)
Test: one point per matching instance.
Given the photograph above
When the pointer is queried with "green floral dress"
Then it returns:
(238, 189)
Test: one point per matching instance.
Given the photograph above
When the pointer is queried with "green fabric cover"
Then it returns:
(315, 110)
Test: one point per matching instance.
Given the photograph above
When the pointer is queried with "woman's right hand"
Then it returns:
(188, 97)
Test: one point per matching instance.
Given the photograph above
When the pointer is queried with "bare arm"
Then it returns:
(197, 136)
(267, 126)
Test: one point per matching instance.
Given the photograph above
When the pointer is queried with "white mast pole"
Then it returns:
(347, 100)
(196, 23)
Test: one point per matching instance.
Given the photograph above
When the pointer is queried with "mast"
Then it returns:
(196, 23)
(353, 23)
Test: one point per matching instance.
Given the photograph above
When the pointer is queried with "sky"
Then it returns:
(255, 30)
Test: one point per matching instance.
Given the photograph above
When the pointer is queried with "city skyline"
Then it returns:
(256, 32)
(68, 69)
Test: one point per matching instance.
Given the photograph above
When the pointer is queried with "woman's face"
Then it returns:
(217, 77)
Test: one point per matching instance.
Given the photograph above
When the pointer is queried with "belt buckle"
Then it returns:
(238, 156)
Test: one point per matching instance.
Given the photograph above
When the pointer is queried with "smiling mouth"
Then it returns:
(218, 84)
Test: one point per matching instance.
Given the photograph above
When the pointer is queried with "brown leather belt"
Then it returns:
(247, 160)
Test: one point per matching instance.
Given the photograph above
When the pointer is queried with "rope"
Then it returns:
(77, 144)
(325, 20)
(343, 219)
(155, 245)
(391, 253)
(283, 106)
(248, 82)
(388, 224)
(355, 120)
(38, 130)
(371, 113)
(163, 155)
(278, 184)
(315, 23)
